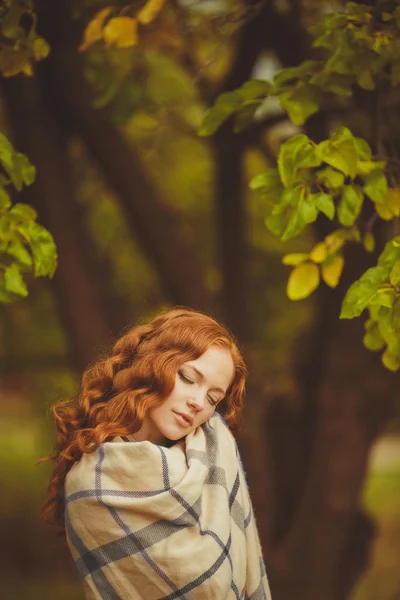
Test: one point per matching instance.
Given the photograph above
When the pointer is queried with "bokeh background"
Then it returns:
(146, 214)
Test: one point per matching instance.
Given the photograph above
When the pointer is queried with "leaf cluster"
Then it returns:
(336, 177)
(333, 178)
(20, 44)
(360, 47)
(25, 246)
(378, 290)
(114, 27)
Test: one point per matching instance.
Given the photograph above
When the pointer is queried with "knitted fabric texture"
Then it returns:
(146, 522)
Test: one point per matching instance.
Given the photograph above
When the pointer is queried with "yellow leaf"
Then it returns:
(94, 30)
(333, 243)
(391, 207)
(303, 280)
(331, 273)
(390, 362)
(149, 11)
(294, 259)
(27, 69)
(40, 48)
(121, 31)
(319, 253)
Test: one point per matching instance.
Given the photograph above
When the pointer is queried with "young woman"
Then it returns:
(148, 483)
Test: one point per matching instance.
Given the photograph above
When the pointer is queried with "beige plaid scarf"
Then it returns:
(146, 522)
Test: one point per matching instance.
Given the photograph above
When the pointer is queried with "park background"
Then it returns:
(147, 214)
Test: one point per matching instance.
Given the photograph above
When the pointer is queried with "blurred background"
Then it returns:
(146, 214)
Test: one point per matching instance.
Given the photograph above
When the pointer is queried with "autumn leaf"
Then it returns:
(332, 271)
(149, 11)
(303, 280)
(94, 30)
(121, 31)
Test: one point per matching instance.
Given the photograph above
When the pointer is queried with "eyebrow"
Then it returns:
(201, 376)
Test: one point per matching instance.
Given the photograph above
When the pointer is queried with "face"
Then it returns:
(200, 385)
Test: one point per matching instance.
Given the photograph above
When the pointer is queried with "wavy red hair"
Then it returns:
(138, 374)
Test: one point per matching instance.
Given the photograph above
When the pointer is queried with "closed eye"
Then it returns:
(213, 402)
(184, 378)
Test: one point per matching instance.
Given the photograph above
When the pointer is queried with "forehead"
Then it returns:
(216, 364)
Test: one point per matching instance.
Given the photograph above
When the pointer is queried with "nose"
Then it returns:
(196, 401)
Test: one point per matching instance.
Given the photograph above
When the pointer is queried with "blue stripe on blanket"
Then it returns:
(99, 579)
(114, 513)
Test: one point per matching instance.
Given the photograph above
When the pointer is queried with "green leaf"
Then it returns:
(308, 209)
(255, 88)
(289, 74)
(373, 339)
(365, 167)
(25, 168)
(363, 149)
(301, 102)
(244, 117)
(225, 105)
(295, 150)
(303, 280)
(340, 152)
(350, 204)
(43, 248)
(376, 186)
(25, 211)
(304, 213)
(390, 255)
(335, 83)
(14, 282)
(395, 274)
(330, 178)
(365, 79)
(362, 291)
(268, 181)
(383, 297)
(275, 223)
(325, 203)
(369, 242)
(391, 362)
(6, 153)
(5, 200)
(18, 251)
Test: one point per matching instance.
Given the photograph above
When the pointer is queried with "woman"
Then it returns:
(148, 482)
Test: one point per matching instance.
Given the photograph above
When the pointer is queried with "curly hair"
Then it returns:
(138, 374)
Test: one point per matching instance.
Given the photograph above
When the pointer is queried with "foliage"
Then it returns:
(20, 44)
(25, 246)
(361, 47)
(338, 177)
(113, 26)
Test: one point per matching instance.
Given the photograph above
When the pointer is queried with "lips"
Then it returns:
(185, 418)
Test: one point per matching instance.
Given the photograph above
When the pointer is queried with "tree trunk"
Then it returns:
(88, 322)
(321, 537)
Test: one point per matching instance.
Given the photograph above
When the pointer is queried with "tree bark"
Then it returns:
(88, 321)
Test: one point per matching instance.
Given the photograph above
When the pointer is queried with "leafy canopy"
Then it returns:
(338, 177)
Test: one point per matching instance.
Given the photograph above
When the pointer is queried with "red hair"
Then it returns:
(138, 374)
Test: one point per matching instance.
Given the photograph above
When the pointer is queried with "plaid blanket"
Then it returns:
(146, 522)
